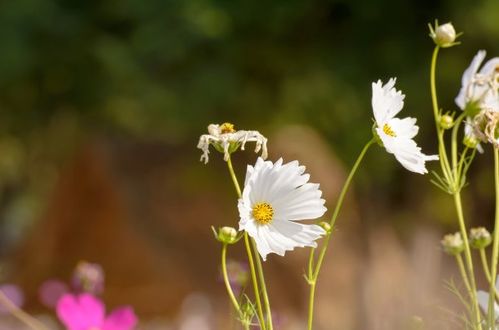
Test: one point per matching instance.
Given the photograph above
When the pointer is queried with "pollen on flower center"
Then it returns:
(227, 128)
(263, 213)
(388, 130)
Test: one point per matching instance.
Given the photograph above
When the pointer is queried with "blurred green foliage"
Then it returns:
(164, 69)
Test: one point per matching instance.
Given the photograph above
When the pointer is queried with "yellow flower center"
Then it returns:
(227, 128)
(388, 130)
(263, 213)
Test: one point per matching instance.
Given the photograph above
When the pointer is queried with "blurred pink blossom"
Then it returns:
(87, 312)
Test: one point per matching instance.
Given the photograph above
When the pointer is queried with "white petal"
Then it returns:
(386, 101)
(281, 236)
(467, 79)
(404, 128)
(408, 154)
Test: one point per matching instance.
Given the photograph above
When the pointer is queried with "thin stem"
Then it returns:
(311, 304)
(252, 263)
(455, 181)
(485, 265)
(233, 176)
(266, 301)
(226, 280)
(314, 274)
(467, 255)
(455, 129)
(21, 315)
(495, 244)
(339, 204)
(464, 275)
(444, 161)
(254, 281)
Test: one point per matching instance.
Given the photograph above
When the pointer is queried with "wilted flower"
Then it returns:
(226, 140)
(480, 237)
(88, 277)
(86, 312)
(397, 134)
(274, 198)
(453, 243)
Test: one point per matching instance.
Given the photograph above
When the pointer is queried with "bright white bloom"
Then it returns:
(275, 196)
(397, 134)
(483, 301)
(225, 139)
(480, 87)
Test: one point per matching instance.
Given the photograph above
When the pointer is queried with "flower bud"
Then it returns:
(470, 141)
(453, 244)
(227, 235)
(445, 35)
(446, 121)
(480, 238)
(88, 277)
(326, 226)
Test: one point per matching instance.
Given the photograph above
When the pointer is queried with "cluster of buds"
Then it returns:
(88, 277)
(453, 243)
(480, 238)
(225, 139)
(446, 121)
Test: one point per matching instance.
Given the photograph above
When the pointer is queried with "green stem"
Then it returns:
(485, 265)
(455, 181)
(252, 263)
(21, 315)
(313, 275)
(444, 161)
(266, 301)
(495, 244)
(255, 282)
(469, 262)
(226, 280)
(311, 304)
(234, 177)
(455, 130)
(464, 275)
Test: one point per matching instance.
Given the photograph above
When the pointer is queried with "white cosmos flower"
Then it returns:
(480, 86)
(274, 198)
(397, 134)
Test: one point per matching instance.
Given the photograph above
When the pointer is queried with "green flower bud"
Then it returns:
(446, 121)
(227, 235)
(326, 226)
(480, 238)
(453, 244)
(470, 141)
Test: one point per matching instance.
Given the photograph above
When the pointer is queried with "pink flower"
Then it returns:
(86, 312)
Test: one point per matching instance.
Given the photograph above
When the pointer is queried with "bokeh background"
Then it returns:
(101, 107)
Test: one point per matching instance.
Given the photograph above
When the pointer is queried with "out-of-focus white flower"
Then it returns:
(227, 140)
(480, 89)
(483, 301)
(274, 198)
(397, 134)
